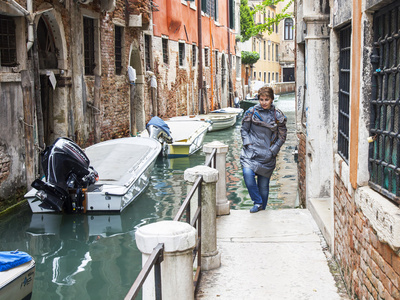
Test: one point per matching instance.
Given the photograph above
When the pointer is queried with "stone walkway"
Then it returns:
(273, 254)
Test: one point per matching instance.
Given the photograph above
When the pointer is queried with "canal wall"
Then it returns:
(283, 87)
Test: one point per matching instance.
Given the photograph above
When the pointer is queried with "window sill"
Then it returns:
(383, 215)
(10, 77)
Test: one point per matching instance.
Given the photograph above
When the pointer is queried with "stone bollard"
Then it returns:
(179, 240)
(223, 205)
(210, 256)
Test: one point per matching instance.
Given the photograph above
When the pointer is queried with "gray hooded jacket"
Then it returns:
(263, 134)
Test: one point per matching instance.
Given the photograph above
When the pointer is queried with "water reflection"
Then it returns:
(95, 256)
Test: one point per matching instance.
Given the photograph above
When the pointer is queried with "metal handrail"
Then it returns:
(157, 255)
(155, 259)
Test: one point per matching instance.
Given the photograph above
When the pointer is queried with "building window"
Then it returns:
(216, 62)
(265, 77)
(277, 52)
(265, 50)
(344, 93)
(288, 29)
(165, 51)
(255, 75)
(147, 51)
(269, 77)
(273, 24)
(272, 56)
(206, 59)
(88, 44)
(8, 42)
(194, 55)
(181, 54)
(273, 76)
(269, 50)
(118, 49)
(276, 77)
(384, 156)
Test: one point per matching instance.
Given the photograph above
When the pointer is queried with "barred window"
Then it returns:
(8, 42)
(165, 51)
(194, 55)
(147, 52)
(118, 50)
(206, 57)
(88, 44)
(181, 54)
(384, 156)
(344, 93)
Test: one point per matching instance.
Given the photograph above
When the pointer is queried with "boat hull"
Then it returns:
(17, 283)
(124, 167)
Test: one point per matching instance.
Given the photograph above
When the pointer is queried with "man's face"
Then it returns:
(265, 102)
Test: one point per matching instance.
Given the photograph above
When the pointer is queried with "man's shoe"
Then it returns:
(255, 208)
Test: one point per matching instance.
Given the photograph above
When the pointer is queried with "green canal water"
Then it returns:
(95, 256)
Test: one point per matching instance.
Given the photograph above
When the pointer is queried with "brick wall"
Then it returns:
(371, 269)
(301, 170)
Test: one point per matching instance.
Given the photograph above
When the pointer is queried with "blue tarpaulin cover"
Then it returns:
(12, 259)
(157, 121)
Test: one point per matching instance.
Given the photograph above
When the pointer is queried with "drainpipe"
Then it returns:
(200, 40)
(30, 18)
(29, 15)
(229, 57)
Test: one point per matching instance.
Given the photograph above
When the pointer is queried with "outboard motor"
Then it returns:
(159, 130)
(68, 173)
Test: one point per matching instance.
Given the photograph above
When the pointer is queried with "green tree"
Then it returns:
(250, 58)
(247, 26)
(246, 20)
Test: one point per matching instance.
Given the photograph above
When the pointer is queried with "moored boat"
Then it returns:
(122, 166)
(218, 121)
(229, 110)
(17, 273)
(180, 138)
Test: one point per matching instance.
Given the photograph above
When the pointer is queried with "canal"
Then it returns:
(95, 256)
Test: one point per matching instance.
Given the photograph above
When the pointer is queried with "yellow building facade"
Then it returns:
(267, 69)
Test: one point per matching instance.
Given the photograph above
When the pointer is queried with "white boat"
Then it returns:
(218, 121)
(187, 137)
(229, 110)
(180, 137)
(16, 282)
(123, 167)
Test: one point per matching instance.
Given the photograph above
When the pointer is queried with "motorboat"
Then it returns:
(238, 112)
(218, 121)
(17, 274)
(105, 177)
(251, 101)
(180, 137)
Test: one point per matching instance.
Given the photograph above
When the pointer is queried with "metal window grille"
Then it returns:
(181, 53)
(147, 52)
(344, 93)
(216, 61)
(88, 43)
(206, 57)
(118, 50)
(277, 52)
(194, 55)
(384, 156)
(165, 51)
(8, 43)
